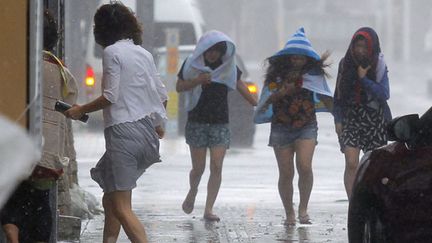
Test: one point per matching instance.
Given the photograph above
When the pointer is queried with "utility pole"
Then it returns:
(280, 23)
(145, 14)
(406, 9)
(390, 34)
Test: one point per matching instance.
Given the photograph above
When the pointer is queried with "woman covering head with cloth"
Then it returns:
(133, 102)
(206, 77)
(296, 78)
(360, 105)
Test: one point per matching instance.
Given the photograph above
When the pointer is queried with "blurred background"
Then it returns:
(259, 28)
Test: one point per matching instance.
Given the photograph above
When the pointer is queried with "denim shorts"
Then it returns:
(282, 135)
(202, 135)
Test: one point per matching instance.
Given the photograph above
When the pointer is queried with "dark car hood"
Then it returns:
(401, 180)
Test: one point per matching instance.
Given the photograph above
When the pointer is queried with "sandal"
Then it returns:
(211, 217)
(188, 204)
(305, 219)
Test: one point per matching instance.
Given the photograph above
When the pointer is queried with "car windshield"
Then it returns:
(425, 133)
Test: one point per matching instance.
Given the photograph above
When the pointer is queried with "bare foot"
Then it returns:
(290, 218)
(188, 203)
(211, 217)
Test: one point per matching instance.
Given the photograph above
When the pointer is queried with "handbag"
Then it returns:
(263, 114)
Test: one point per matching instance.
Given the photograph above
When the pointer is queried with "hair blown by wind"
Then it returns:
(114, 22)
(280, 66)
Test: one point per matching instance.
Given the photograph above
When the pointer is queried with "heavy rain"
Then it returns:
(248, 206)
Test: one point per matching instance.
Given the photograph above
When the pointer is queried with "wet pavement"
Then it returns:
(248, 202)
(239, 223)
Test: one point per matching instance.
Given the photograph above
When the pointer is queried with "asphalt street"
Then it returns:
(248, 201)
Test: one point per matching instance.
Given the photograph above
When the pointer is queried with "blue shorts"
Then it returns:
(203, 135)
(282, 135)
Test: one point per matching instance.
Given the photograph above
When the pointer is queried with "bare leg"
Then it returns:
(284, 157)
(119, 202)
(217, 155)
(304, 152)
(351, 163)
(12, 232)
(198, 156)
(111, 225)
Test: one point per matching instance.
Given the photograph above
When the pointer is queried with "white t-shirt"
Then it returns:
(132, 84)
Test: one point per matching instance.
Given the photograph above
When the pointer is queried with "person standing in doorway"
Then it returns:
(133, 99)
(296, 78)
(206, 77)
(361, 111)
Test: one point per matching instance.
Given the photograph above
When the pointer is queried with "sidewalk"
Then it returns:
(239, 223)
(248, 202)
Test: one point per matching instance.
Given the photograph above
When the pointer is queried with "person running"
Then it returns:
(361, 111)
(133, 99)
(206, 77)
(296, 78)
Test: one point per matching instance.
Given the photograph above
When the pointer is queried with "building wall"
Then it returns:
(13, 63)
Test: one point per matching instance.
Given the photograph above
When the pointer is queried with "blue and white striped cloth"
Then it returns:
(299, 44)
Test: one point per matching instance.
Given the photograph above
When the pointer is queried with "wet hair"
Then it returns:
(50, 37)
(115, 22)
(281, 66)
(220, 47)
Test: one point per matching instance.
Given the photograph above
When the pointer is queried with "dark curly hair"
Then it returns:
(280, 66)
(50, 31)
(114, 22)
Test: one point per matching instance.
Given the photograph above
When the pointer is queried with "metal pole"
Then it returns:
(57, 9)
(35, 70)
(145, 14)
(390, 30)
(407, 30)
(280, 23)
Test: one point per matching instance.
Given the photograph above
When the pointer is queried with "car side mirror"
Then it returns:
(403, 129)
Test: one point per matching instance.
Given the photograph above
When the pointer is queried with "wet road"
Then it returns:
(248, 201)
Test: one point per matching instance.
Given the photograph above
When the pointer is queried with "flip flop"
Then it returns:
(305, 219)
(211, 217)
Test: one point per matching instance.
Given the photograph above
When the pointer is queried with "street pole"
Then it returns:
(390, 30)
(145, 14)
(406, 8)
(280, 23)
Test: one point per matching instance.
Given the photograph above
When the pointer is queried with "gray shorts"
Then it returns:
(282, 135)
(131, 148)
(207, 135)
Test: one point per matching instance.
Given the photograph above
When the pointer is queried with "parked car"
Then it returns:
(240, 112)
(392, 193)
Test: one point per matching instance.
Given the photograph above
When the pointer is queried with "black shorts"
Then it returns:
(29, 209)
